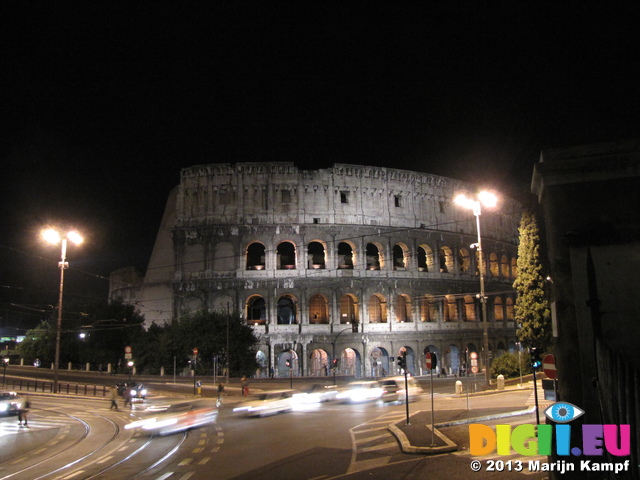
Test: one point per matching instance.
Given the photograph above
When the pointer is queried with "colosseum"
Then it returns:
(352, 263)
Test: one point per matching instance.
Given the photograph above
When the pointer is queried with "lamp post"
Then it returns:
(486, 199)
(53, 236)
(334, 362)
(5, 362)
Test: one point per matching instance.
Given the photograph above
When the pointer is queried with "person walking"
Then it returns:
(220, 393)
(126, 394)
(113, 398)
(23, 412)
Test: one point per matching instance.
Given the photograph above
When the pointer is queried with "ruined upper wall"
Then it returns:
(280, 193)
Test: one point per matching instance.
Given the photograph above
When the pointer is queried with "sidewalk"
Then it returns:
(418, 437)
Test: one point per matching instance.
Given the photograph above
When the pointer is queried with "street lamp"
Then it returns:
(5, 362)
(55, 237)
(334, 361)
(486, 199)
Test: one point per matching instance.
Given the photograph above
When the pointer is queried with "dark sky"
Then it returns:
(103, 103)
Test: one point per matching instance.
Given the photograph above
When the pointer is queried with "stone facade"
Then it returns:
(351, 262)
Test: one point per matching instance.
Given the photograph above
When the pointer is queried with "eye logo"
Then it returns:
(563, 412)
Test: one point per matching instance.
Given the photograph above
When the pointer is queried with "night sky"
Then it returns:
(103, 103)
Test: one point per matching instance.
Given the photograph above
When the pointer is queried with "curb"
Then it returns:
(406, 447)
(449, 446)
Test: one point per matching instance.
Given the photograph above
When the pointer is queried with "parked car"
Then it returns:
(362, 391)
(10, 403)
(175, 417)
(394, 389)
(267, 403)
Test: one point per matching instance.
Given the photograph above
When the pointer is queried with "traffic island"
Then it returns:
(417, 437)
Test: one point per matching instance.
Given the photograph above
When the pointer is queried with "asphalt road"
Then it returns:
(77, 437)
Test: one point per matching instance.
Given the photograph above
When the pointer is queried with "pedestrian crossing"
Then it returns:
(36, 422)
(373, 445)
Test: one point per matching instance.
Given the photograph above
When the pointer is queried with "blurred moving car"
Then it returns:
(362, 391)
(318, 393)
(10, 403)
(176, 417)
(268, 403)
(394, 389)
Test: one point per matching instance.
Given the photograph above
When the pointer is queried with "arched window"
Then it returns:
(464, 260)
(400, 255)
(446, 260)
(377, 309)
(286, 311)
(403, 309)
(469, 309)
(510, 312)
(451, 307)
(493, 263)
(315, 255)
(429, 309)
(498, 309)
(286, 256)
(374, 260)
(255, 256)
(345, 256)
(318, 309)
(514, 268)
(504, 266)
(256, 311)
(348, 310)
(484, 263)
(425, 258)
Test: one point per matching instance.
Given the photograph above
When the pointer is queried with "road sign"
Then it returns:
(474, 362)
(195, 352)
(428, 360)
(127, 349)
(549, 366)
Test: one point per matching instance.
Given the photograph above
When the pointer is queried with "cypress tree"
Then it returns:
(532, 305)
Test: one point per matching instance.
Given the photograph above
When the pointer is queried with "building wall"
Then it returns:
(322, 261)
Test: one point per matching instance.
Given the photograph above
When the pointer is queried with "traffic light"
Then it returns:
(334, 363)
(536, 361)
(402, 361)
(287, 362)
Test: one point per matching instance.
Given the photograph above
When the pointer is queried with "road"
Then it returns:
(80, 438)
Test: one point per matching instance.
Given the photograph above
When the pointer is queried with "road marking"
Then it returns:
(197, 450)
(102, 460)
(187, 475)
(166, 475)
(186, 461)
(79, 472)
(204, 460)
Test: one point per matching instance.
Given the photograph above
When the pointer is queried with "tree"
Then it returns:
(511, 365)
(207, 331)
(38, 343)
(532, 305)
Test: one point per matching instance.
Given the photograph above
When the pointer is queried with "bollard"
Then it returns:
(500, 382)
(459, 387)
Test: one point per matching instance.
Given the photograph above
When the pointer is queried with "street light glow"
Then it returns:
(53, 236)
(484, 199)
